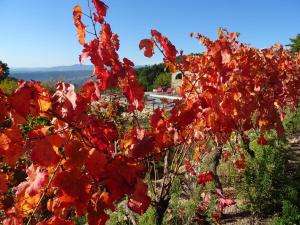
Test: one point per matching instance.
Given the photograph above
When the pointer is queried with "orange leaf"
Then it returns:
(30, 97)
(77, 13)
(25, 203)
(11, 145)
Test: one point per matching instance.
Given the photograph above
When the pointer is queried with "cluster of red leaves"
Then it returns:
(166, 47)
(109, 71)
(237, 82)
(231, 83)
(72, 163)
(222, 202)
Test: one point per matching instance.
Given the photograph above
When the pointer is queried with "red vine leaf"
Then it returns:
(262, 140)
(74, 190)
(140, 201)
(76, 154)
(148, 45)
(101, 9)
(167, 47)
(240, 164)
(37, 99)
(96, 163)
(205, 177)
(43, 152)
(64, 99)
(189, 168)
(90, 90)
(11, 145)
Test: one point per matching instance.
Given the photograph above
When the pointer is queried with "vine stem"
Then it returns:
(44, 193)
(91, 17)
(215, 164)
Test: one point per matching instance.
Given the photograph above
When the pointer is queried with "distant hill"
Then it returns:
(76, 74)
(74, 67)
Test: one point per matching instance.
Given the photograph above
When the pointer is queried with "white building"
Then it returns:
(176, 80)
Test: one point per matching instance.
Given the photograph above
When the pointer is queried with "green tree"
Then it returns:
(295, 45)
(4, 69)
(146, 75)
(162, 80)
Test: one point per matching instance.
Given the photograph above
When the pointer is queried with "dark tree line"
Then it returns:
(4, 69)
(295, 44)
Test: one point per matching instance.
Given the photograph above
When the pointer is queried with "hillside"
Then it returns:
(76, 74)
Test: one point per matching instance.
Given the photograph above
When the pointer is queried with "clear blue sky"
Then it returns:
(38, 33)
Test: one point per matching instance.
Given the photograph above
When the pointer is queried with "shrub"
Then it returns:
(267, 186)
(290, 215)
(8, 85)
(292, 121)
(148, 217)
(183, 204)
(118, 217)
